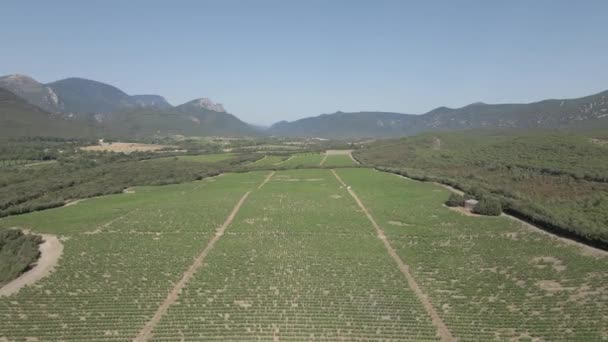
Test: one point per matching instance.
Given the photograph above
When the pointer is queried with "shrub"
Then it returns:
(488, 206)
(455, 200)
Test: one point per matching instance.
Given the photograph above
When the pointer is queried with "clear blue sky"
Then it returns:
(274, 60)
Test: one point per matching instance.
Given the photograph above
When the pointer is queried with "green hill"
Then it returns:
(567, 114)
(19, 118)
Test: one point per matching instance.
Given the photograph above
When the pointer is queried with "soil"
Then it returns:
(338, 152)
(442, 328)
(463, 211)
(50, 253)
(126, 147)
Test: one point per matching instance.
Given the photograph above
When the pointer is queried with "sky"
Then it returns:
(270, 60)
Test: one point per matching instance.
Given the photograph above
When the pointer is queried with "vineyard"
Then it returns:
(302, 261)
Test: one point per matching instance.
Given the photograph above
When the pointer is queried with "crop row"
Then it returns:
(489, 278)
(112, 277)
(298, 263)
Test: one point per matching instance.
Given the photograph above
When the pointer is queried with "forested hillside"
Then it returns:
(564, 114)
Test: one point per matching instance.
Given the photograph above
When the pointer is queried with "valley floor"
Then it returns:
(309, 254)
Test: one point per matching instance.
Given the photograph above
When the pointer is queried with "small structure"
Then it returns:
(470, 204)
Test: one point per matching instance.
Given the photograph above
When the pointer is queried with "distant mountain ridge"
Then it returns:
(585, 112)
(108, 110)
(112, 111)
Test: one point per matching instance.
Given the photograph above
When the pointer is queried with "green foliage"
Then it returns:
(455, 200)
(17, 252)
(87, 175)
(488, 206)
(555, 180)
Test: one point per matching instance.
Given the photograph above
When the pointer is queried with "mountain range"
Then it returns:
(565, 114)
(107, 110)
(77, 107)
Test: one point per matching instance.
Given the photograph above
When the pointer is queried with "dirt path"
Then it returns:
(283, 161)
(442, 329)
(266, 180)
(146, 332)
(324, 159)
(50, 253)
(101, 227)
(353, 158)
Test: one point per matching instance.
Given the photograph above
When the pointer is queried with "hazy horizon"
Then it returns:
(269, 61)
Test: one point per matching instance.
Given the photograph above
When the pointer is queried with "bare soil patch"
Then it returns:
(70, 203)
(399, 224)
(338, 152)
(552, 286)
(463, 211)
(126, 147)
(50, 253)
(555, 263)
(599, 141)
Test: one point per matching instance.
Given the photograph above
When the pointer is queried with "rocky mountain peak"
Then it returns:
(206, 103)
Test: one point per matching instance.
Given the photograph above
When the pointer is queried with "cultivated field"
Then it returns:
(125, 147)
(303, 160)
(300, 255)
(338, 160)
(268, 160)
(203, 158)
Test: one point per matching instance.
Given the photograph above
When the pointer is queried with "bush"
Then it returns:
(17, 252)
(488, 206)
(455, 200)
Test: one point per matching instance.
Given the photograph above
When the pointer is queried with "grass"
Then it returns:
(203, 158)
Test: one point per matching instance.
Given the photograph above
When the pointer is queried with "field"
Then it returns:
(126, 147)
(338, 160)
(302, 160)
(303, 260)
(268, 160)
(203, 158)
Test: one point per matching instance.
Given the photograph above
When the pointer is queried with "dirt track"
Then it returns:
(50, 253)
(146, 333)
(442, 329)
(324, 159)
